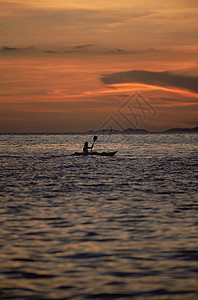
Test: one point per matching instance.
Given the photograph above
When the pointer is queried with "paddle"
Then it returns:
(94, 139)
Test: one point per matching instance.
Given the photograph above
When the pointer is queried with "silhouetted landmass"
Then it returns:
(131, 130)
(113, 131)
(143, 131)
(182, 130)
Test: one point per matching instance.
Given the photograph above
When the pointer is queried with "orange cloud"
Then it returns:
(62, 91)
(160, 79)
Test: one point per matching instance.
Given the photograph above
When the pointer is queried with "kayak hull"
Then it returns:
(95, 153)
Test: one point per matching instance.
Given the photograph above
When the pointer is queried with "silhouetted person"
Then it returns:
(86, 147)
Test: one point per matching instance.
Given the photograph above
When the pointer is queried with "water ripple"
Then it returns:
(99, 228)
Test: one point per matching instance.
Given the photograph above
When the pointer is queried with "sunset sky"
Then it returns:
(69, 66)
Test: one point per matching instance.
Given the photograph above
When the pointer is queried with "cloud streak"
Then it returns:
(81, 49)
(163, 79)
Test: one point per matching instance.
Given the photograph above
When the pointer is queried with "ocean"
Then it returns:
(121, 227)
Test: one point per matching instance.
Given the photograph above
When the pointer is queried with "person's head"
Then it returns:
(86, 144)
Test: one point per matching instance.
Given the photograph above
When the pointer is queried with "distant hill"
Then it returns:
(143, 131)
(182, 130)
(114, 131)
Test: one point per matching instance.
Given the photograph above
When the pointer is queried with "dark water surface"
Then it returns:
(124, 227)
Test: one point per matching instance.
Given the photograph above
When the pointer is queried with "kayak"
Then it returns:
(95, 153)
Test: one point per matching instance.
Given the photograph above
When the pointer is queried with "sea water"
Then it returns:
(90, 227)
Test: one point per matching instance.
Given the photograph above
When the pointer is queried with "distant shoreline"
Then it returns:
(110, 131)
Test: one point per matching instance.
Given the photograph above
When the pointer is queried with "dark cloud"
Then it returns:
(78, 48)
(14, 51)
(7, 49)
(83, 46)
(165, 79)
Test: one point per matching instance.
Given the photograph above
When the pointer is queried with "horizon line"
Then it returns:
(113, 131)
